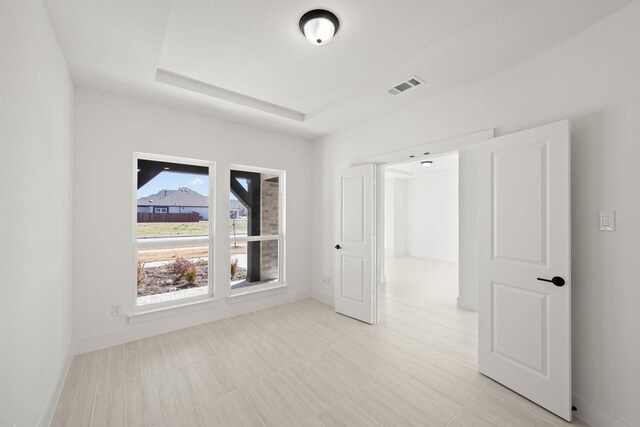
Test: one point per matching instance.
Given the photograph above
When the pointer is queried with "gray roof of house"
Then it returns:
(236, 204)
(181, 197)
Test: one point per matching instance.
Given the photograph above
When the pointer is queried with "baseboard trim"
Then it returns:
(322, 297)
(50, 408)
(179, 321)
(594, 415)
(467, 303)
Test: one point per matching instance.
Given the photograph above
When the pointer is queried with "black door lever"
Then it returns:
(338, 247)
(558, 281)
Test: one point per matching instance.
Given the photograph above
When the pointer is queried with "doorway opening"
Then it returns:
(419, 288)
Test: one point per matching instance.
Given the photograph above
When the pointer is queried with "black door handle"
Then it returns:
(558, 281)
(338, 247)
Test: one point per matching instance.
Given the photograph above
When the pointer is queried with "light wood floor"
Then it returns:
(302, 364)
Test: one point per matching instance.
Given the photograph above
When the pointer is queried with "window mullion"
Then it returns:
(172, 242)
(255, 238)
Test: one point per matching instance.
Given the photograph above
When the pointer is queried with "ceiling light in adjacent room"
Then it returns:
(426, 163)
(319, 26)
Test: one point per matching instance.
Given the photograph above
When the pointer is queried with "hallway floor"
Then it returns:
(303, 364)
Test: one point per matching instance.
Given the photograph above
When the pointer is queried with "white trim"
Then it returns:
(255, 238)
(52, 402)
(186, 305)
(172, 303)
(467, 304)
(376, 269)
(425, 150)
(282, 221)
(187, 83)
(323, 297)
(184, 320)
(254, 169)
(170, 159)
(595, 416)
(399, 172)
(173, 241)
(379, 224)
(237, 294)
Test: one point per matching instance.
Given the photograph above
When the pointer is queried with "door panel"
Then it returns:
(352, 195)
(352, 280)
(354, 250)
(524, 234)
(524, 204)
(529, 310)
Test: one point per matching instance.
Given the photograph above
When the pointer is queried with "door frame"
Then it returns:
(413, 153)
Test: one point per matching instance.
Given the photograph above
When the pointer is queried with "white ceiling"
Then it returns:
(413, 169)
(247, 61)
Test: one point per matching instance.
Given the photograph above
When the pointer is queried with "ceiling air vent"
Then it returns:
(404, 86)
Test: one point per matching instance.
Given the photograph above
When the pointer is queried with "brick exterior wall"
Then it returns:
(269, 217)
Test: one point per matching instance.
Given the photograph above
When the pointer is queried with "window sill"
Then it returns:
(244, 293)
(172, 310)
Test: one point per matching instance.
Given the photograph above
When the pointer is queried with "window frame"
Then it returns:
(280, 237)
(173, 242)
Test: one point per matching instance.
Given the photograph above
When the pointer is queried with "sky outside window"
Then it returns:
(173, 181)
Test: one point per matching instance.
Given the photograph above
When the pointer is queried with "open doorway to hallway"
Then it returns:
(420, 286)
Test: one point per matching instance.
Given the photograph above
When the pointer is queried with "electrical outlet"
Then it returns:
(115, 310)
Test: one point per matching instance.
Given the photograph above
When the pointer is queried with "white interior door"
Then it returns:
(524, 235)
(354, 243)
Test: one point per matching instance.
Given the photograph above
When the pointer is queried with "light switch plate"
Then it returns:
(115, 310)
(607, 221)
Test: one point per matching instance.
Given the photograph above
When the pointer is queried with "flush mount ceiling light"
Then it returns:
(426, 163)
(319, 26)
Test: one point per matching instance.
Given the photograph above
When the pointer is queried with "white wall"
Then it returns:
(467, 230)
(36, 95)
(592, 79)
(395, 217)
(108, 130)
(432, 216)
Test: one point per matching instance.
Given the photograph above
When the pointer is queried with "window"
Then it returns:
(173, 234)
(256, 227)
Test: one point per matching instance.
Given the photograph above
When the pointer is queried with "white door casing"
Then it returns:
(354, 243)
(524, 235)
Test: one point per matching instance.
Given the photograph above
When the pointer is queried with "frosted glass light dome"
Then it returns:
(319, 26)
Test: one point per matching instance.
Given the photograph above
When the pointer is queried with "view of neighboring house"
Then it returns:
(237, 209)
(182, 200)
